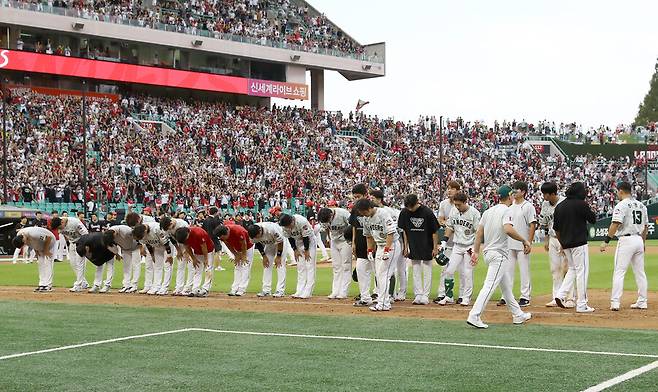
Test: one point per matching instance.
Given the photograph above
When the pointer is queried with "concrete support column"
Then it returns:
(317, 89)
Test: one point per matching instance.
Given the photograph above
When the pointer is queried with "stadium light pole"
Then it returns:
(4, 139)
(441, 156)
(84, 148)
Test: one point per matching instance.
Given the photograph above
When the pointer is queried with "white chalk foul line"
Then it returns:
(434, 343)
(624, 377)
(330, 337)
(50, 350)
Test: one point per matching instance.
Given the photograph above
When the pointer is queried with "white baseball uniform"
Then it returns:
(305, 268)
(36, 237)
(633, 219)
(159, 242)
(524, 215)
(379, 227)
(496, 255)
(556, 257)
(400, 264)
(341, 253)
(445, 208)
(72, 231)
(130, 253)
(183, 264)
(464, 225)
(270, 238)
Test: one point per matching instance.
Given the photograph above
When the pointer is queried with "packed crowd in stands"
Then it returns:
(279, 22)
(252, 158)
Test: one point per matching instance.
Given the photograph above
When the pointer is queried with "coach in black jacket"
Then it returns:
(570, 224)
(210, 224)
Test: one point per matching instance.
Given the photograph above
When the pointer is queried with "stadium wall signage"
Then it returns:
(141, 74)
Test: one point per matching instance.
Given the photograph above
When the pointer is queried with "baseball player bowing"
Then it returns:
(237, 240)
(44, 244)
(383, 247)
(102, 256)
(131, 252)
(302, 239)
(270, 242)
(421, 243)
(158, 244)
(493, 232)
(630, 225)
(183, 263)
(200, 249)
(460, 226)
(335, 221)
(556, 255)
(72, 229)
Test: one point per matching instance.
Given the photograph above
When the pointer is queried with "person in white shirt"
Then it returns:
(300, 234)
(131, 251)
(158, 244)
(43, 242)
(270, 242)
(183, 263)
(72, 229)
(445, 207)
(494, 230)
(525, 223)
(383, 239)
(630, 224)
(335, 221)
(556, 256)
(460, 226)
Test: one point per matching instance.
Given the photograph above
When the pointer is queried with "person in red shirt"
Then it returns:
(200, 248)
(238, 242)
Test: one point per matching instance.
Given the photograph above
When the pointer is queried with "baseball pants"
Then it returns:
(78, 265)
(158, 265)
(45, 265)
(442, 284)
(203, 272)
(364, 271)
(98, 276)
(496, 276)
(28, 254)
(384, 269)
(578, 261)
(184, 265)
(559, 267)
(242, 273)
(630, 250)
(62, 248)
(523, 260)
(460, 261)
(323, 249)
(270, 253)
(422, 276)
(306, 271)
(131, 258)
(341, 263)
(401, 273)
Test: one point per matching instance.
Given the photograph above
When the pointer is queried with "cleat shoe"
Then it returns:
(417, 300)
(376, 308)
(94, 290)
(447, 301)
(232, 294)
(193, 293)
(614, 308)
(104, 289)
(331, 296)
(560, 303)
(585, 309)
(569, 304)
(279, 294)
(362, 304)
(357, 298)
(424, 300)
(202, 293)
(162, 292)
(476, 322)
(132, 289)
(185, 293)
(521, 319)
(38, 289)
(465, 302)
(438, 299)
(152, 291)
(639, 306)
(400, 297)
(46, 289)
(551, 304)
(145, 290)
(374, 296)
(124, 289)
(176, 293)
(459, 301)
(85, 285)
(239, 293)
(501, 302)
(263, 294)
(75, 289)
(524, 302)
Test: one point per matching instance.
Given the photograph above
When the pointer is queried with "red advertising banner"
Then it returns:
(129, 73)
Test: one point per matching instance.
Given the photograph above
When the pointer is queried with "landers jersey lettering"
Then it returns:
(155, 236)
(463, 225)
(379, 226)
(300, 228)
(272, 234)
(632, 217)
(73, 230)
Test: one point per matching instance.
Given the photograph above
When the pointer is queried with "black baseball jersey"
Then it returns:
(95, 227)
(419, 227)
(39, 222)
(99, 254)
(361, 244)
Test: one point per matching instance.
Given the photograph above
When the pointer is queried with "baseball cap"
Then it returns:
(504, 191)
(147, 210)
(332, 203)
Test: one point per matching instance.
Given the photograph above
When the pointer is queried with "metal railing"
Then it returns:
(83, 14)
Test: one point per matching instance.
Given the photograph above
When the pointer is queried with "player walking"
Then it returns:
(421, 243)
(270, 242)
(335, 221)
(72, 229)
(493, 232)
(302, 239)
(461, 226)
(525, 223)
(570, 225)
(44, 244)
(552, 246)
(630, 224)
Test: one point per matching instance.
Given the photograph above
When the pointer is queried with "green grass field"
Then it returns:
(209, 361)
(231, 360)
(600, 277)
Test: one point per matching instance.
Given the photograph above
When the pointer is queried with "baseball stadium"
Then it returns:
(238, 195)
